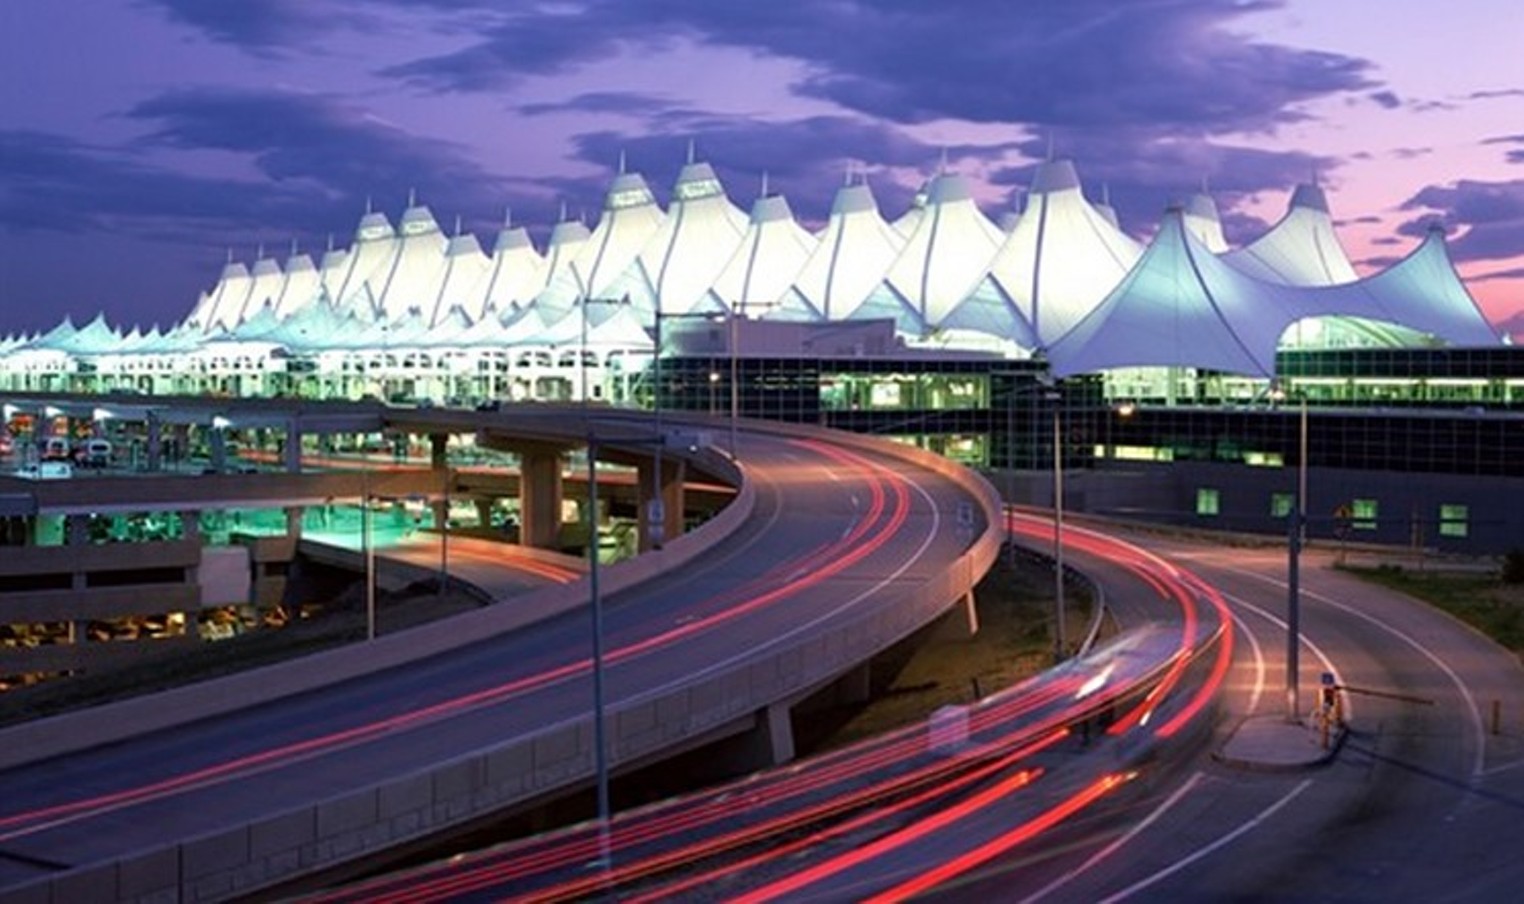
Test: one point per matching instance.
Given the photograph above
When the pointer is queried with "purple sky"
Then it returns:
(139, 139)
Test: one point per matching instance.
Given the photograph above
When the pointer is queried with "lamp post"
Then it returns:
(735, 388)
(600, 754)
(367, 542)
(1058, 528)
(444, 532)
(1294, 539)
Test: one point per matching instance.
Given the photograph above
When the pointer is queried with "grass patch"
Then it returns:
(1480, 600)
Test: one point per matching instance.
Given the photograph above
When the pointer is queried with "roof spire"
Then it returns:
(259, 251)
(621, 161)
(230, 254)
(1050, 146)
(412, 197)
(507, 217)
(563, 210)
(330, 241)
(1315, 174)
(942, 162)
(764, 184)
(1206, 188)
(368, 210)
(293, 246)
(1106, 193)
(457, 225)
(690, 150)
(847, 180)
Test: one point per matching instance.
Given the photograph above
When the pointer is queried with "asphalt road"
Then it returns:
(830, 535)
(1422, 803)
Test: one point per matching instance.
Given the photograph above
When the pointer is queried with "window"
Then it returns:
(1207, 501)
(1280, 504)
(1364, 513)
(1452, 520)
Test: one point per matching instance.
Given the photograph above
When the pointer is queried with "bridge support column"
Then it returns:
(155, 442)
(540, 499)
(484, 505)
(962, 622)
(219, 449)
(673, 473)
(774, 740)
(438, 443)
(293, 448)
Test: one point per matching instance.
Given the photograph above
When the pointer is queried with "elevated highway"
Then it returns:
(835, 548)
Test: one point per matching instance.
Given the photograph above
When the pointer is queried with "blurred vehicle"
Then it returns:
(55, 448)
(93, 453)
(46, 470)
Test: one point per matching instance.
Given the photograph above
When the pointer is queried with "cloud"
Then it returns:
(629, 103)
(1492, 95)
(1411, 153)
(805, 158)
(1513, 156)
(1146, 169)
(1092, 62)
(1363, 220)
(1386, 99)
(337, 154)
(1509, 273)
(1491, 214)
(261, 27)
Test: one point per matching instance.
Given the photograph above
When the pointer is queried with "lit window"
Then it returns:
(1452, 520)
(1207, 501)
(1280, 504)
(1364, 513)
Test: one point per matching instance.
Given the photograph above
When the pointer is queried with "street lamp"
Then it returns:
(367, 543)
(1058, 526)
(1295, 529)
(600, 753)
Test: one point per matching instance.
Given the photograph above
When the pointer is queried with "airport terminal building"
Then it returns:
(1169, 378)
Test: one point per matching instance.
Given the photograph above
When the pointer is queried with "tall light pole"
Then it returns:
(735, 388)
(600, 753)
(369, 545)
(656, 512)
(444, 532)
(1294, 537)
(1058, 529)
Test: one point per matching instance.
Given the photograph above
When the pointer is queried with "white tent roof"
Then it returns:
(949, 250)
(1300, 250)
(362, 275)
(412, 280)
(517, 274)
(1063, 253)
(226, 303)
(852, 256)
(773, 251)
(265, 290)
(465, 268)
(690, 247)
(302, 286)
(1182, 305)
(1204, 222)
(630, 218)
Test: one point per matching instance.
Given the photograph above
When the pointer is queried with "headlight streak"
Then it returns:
(1170, 582)
(821, 563)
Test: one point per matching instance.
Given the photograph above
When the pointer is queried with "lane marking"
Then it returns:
(1116, 845)
(1479, 750)
(1209, 849)
(1307, 642)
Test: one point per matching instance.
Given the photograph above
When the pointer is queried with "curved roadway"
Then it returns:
(835, 532)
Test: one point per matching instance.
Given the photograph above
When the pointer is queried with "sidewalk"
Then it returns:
(1271, 744)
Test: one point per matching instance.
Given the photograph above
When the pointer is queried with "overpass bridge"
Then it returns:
(834, 548)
